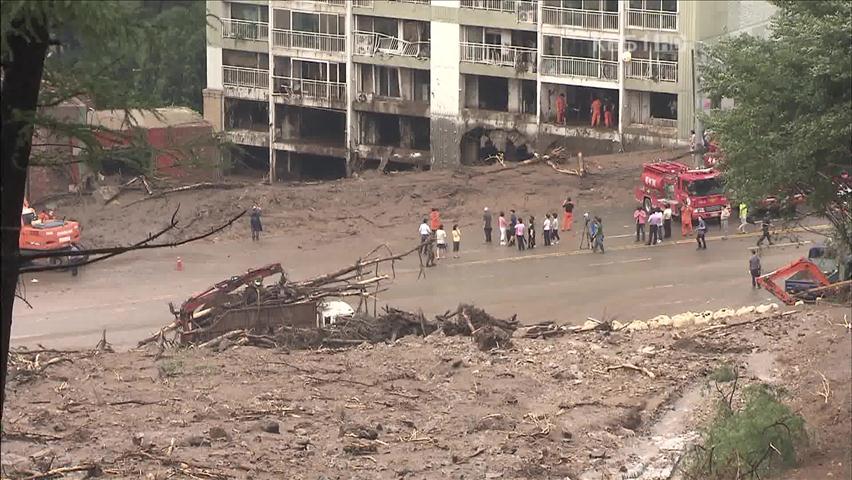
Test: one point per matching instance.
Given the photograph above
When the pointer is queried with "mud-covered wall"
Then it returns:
(445, 91)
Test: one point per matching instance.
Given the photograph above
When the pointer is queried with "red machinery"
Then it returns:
(801, 266)
(49, 234)
(676, 184)
(219, 296)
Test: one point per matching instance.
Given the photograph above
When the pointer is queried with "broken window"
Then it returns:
(664, 105)
(493, 93)
(385, 26)
(239, 58)
(528, 96)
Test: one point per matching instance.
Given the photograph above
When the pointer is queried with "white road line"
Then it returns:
(620, 236)
(635, 260)
(788, 244)
(654, 287)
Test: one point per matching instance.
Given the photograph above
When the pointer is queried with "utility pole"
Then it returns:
(698, 149)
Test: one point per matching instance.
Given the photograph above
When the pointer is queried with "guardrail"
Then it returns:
(526, 11)
(245, 77)
(656, 70)
(575, 17)
(370, 43)
(520, 58)
(579, 67)
(323, 42)
(244, 29)
(651, 20)
(320, 89)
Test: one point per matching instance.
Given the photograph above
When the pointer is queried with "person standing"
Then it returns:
(596, 112)
(513, 221)
(546, 229)
(743, 217)
(667, 221)
(456, 241)
(434, 219)
(598, 240)
(519, 233)
(561, 107)
(653, 228)
(754, 268)
(765, 226)
(256, 225)
(568, 217)
(723, 220)
(502, 225)
(701, 231)
(640, 217)
(486, 225)
(531, 233)
(608, 123)
(554, 229)
(441, 241)
(686, 221)
(424, 232)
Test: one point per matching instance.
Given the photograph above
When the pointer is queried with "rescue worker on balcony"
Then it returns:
(686, 221)
(596, 112)
(561, 107)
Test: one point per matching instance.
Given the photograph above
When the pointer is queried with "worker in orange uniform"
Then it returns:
(608, 114)
(434, 219)
(568, 217)
(686, 221)
(596, 112)
(560, 109)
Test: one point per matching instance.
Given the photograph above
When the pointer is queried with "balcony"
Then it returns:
(244, 29)
(526, 11)
(522, 59)
(579, 67)
(371, 43)
(584, 19)
(652, 20)
(306, 88)
(655, 70)
(321, 42)
(245, 77)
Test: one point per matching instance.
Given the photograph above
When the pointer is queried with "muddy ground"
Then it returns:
(434, 407)
(387, 206)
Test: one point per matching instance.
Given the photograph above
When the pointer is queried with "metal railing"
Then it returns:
(370, 43)
(656, 70)
(579, 67)
(523, 59)
(302, 87)
(652, 20)
(244, 29)
(245, 77)
(323, 42)
(574, 17)
(362, 3)
(526, 11)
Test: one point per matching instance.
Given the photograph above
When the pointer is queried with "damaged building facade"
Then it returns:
(322, 88)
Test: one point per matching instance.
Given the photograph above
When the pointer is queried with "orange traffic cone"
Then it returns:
(179, 265)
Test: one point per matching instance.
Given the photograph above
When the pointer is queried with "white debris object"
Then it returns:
(683, 319)
(637, 325)
(723, 313)
(745, 310)
(761, 309)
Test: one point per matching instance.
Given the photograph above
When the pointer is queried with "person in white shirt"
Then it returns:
(546, 230)
(723, 220)
(441, 241)
(667, 221)
(554, 229)
(424, 231)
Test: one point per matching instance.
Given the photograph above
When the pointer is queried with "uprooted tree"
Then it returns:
(790, 127)
(35, 76)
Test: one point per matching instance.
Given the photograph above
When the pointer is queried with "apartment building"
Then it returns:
(321, 88)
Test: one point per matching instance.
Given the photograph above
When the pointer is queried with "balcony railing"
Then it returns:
(579, 67)
(525, 10)
(362, 3)
(522, 59)
(656, 70)
(370, 43)
(652, 20)
(244, 29)
(245, 77)
(323, 42)
(318, 89)
(585, 19)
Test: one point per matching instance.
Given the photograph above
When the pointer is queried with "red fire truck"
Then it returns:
(676, 184)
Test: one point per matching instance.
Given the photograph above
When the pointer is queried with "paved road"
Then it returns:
(128, 296)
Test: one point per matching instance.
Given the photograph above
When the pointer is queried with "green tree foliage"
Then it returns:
(790, 129)
(761, 437)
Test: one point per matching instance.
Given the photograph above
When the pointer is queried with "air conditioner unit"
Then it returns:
(525, 16)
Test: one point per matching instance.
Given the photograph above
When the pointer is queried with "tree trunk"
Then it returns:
(28, 40)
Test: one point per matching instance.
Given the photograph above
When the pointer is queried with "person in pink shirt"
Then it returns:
(640, 216)
(502, 224)
(520, 229)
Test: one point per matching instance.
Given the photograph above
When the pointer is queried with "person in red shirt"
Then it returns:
(596, 112)
(434, 219)
(560, 109)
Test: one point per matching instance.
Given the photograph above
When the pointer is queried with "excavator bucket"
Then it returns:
(800, 266)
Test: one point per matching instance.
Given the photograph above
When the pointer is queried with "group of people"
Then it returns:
(514, 231)
(659, 223)
(434, 238)
(602, 111)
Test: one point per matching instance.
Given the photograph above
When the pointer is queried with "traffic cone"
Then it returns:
(179, 265)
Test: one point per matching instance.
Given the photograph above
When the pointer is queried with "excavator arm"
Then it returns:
(768, 281)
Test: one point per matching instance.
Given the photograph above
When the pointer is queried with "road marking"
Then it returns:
(635, 260)
(621, 236)
(788, 244)
(655, 287)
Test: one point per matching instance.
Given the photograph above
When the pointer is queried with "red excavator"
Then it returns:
(44, 232)
(822, 268)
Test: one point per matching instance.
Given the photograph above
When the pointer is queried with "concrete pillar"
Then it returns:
(406, 132)
(539, 43)
(273, 171)
(514, 95)
(214, 108)
(445, 106)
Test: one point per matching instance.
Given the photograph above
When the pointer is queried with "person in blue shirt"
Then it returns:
(701, 231)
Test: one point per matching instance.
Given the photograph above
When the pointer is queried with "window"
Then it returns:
(306, 22)
(654, 5)
(251, 13)
(388, 81)
(238, 58)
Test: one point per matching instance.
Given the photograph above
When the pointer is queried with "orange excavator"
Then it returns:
(46, 233)
(822, 268)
